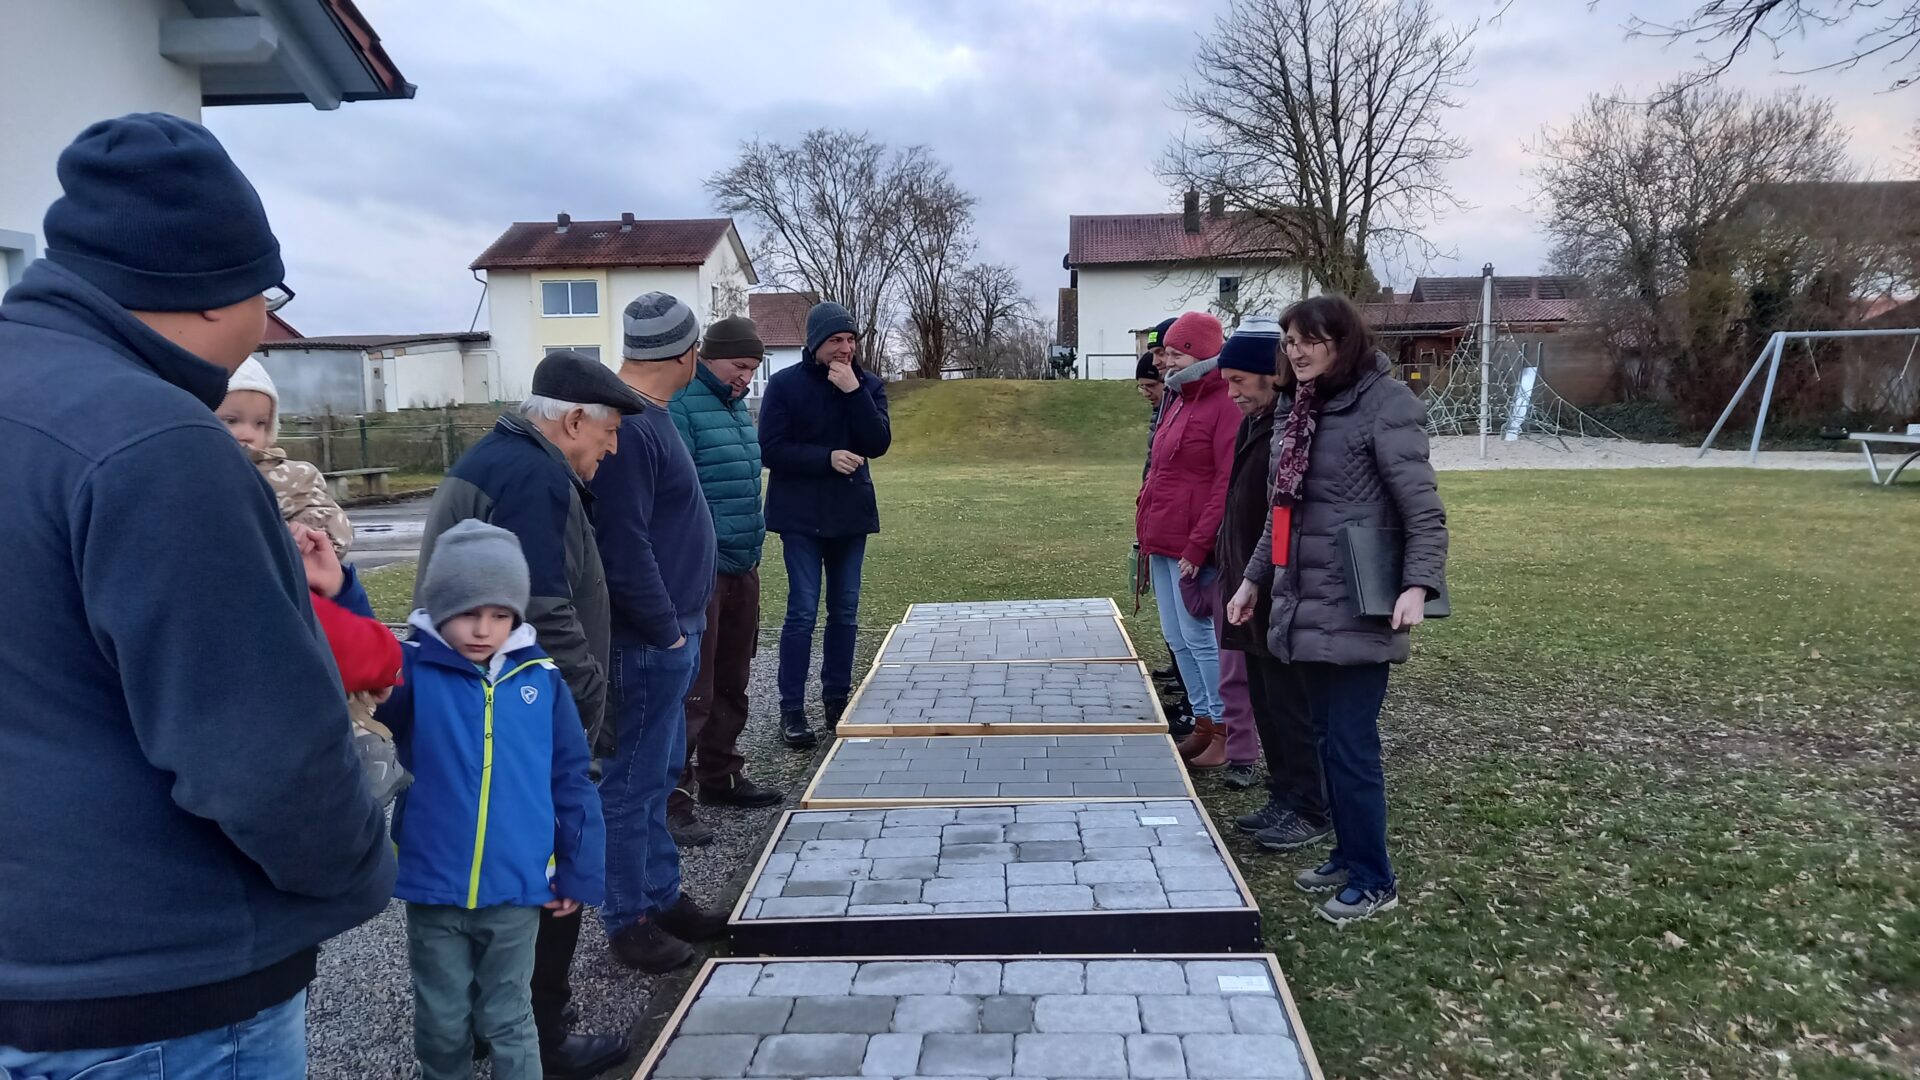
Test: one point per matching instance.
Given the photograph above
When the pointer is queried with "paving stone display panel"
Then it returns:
(1024, 698)
(1046, 877)
(1085, 1018)
(950, 769)
(1009, 609)
(1080, 637)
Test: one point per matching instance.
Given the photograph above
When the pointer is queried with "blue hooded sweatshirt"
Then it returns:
(500, 788)
(184, 816)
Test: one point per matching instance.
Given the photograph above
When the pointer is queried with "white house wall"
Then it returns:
(314, 382)
(427, 376)
(1115, 301)
(64, 65)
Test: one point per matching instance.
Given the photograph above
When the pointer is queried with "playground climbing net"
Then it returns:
(1520, 402)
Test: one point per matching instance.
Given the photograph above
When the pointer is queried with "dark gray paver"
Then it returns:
(1010, 767)
(1062, 693)
(1079, 637)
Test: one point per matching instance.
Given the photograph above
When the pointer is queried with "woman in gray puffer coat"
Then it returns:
(1351, 449)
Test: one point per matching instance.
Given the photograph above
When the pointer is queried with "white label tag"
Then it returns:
(859, 740)
(1159, 821)
(1245, 984)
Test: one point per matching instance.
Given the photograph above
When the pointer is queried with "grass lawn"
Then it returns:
(1655, 788)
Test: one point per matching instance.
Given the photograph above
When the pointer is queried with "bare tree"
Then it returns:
(988, 305)
(936, 223)
(1888, 30)
(829, 210)
(1321, 122)
(1640, 204)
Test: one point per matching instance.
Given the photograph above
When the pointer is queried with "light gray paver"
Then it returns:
(1082, 1055)
(1243, 1056)
(805, 979)
(1184, 1013)
(809, 1055)
(1153, 1056)
(943, 1054)
(904, 977)
(708, 1056)
(1109, 1013)
(1036, 977)
(963, 610)
(1072, 637)
(1063, 693)
(892, 1055)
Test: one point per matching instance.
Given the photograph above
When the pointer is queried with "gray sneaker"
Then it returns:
(1291, 833)
(1321, 878)
(1264, 818)
(1352, 905)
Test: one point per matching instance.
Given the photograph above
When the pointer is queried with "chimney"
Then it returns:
(1216, 205)
(626, 222)
(1190, 214)
(1386, 294)
(562, 223)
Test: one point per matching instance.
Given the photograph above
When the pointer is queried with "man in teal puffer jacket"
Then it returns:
(713, 419)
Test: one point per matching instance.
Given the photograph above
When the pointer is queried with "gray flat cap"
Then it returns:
(566, 375)
(658, 327)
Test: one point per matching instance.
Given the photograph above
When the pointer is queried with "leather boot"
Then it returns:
(1214, 754)
(794, 730)
(1200, 739)
(834, 709)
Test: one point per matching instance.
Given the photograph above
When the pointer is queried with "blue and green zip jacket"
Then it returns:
(500, 797)
(726, 451)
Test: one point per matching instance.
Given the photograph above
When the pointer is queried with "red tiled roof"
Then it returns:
(528, 245)
(781, 317)
(1095, 239)
(279, 329)
(1542, 287)
(1449, 314)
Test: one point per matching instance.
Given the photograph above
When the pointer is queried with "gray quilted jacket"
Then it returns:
(1367, 466)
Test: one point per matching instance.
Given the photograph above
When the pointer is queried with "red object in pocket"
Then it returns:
(1282, 533)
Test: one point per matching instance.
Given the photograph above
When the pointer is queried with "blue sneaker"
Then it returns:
(1354, 905)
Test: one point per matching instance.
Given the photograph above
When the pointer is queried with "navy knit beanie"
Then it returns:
(158, 217)
(1254, 347)
(1157, 336)
(825, 320)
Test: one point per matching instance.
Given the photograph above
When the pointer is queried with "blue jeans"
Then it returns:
(1345, 703)
(649, 696)
(808, 559)
(270, 1045)
(1195, 649)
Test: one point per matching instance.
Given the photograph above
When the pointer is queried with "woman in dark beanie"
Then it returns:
(1351, 450)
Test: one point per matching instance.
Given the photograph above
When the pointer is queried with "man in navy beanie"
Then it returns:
(175, 762)
(820, 422)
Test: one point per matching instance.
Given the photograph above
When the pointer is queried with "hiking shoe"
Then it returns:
(686, 829)
(795, 732)
(689, 921)
(1264, 818)
(1291, 833)
(1239, 777)
(834, 709)
(1353, 905)
(644, 946)
(583, 1057)
(740, 791)
(1323, 878)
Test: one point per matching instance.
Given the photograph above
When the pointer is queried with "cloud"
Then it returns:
(1043, 109)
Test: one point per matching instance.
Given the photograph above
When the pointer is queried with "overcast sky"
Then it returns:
(1043, 109)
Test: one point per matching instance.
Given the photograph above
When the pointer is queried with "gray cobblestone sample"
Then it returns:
(942, 769)
(1010, 866)
(1061, 694)
(1128, 1017)
(967, 610)
(971, 641)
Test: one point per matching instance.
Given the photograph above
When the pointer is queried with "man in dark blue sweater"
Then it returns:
(656, 536)
(184, 819)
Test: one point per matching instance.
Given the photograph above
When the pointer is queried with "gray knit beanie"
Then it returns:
(474, 565)
(659, 327)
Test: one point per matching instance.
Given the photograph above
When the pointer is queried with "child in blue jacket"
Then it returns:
(501, 819)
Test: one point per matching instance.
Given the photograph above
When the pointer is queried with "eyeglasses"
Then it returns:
(278, 296)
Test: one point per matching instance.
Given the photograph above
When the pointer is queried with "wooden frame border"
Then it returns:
(1119, 623)
(809, 802)
(1282, 990)
(1158, 725)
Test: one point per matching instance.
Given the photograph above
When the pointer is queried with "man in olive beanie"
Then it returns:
(177, 758)
(717, 426)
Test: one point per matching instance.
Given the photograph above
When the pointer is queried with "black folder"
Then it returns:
(1372, 559)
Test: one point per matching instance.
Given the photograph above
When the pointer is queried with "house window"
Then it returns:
(584, 350)
(563, 298)
(1229, 292)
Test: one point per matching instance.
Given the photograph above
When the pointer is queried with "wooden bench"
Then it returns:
(1895, 443)
(340, 483)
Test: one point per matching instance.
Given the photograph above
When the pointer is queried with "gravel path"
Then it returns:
(360, 1008)
(1462, 452)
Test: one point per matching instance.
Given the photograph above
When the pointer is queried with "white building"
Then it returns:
(1130, 271)
(781, 318)
(350, 375)
(562, 284)
(65, 64)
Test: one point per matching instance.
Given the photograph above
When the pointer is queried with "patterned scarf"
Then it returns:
(1296, 440)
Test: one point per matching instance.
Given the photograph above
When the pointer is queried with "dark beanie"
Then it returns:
(825, 320)
(1145, 369)
(1254, 347)
(158, 217)
(1157, 336)
(736, 337)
